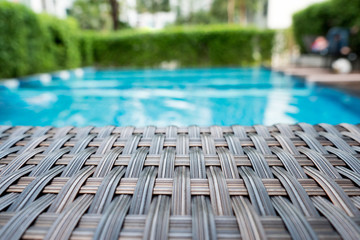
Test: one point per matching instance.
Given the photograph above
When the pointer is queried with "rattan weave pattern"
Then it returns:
(278, 182)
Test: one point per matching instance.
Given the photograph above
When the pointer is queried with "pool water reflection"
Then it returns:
(225, 96)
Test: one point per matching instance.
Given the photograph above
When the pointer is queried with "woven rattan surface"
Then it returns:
(278, 182)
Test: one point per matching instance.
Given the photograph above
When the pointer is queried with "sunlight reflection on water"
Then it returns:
(228, 96)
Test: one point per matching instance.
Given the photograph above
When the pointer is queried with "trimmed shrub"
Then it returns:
(219, 45)
(266, 43)
(63, 42)
(346, 13)
(85, 41)
(19, 44)
(31, 43)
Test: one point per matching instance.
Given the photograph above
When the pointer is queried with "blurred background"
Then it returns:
(293, 24)
(58, 27)
(179, 62)
(100, 14)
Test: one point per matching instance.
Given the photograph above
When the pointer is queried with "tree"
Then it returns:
(97, 14)
(153, 6)
(219, 9)
(230, 10)
(242, 10)
(196, 18)
(91, 14)
(115, 13)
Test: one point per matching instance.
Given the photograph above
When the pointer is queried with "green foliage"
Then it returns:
(266, 40)
(63, 41)
(346, 13)
(92, 14)
(31, 43)
(219, 10)
(18, 27)
(318, 18)
(85, 40)
(153, 6)
(219, 45)
(314, 20)
(197, 18)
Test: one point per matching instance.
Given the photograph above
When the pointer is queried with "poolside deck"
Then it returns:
(281, 181)
(324, 76)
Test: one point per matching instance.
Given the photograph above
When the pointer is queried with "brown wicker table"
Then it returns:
(278, 182)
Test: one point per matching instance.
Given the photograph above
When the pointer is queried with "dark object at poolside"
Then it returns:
(338, 45)
(335, 45)
(279, 182)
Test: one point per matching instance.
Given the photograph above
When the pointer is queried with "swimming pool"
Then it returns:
(225, 96)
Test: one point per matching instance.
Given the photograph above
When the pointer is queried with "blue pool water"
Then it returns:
(204, 97)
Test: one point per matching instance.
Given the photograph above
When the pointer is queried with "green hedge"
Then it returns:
(19, 28)
(85, 41)
(220, 45)
(317, 19)
(63, 41)
(31, 43)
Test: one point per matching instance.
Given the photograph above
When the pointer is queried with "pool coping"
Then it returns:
(349, 82)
